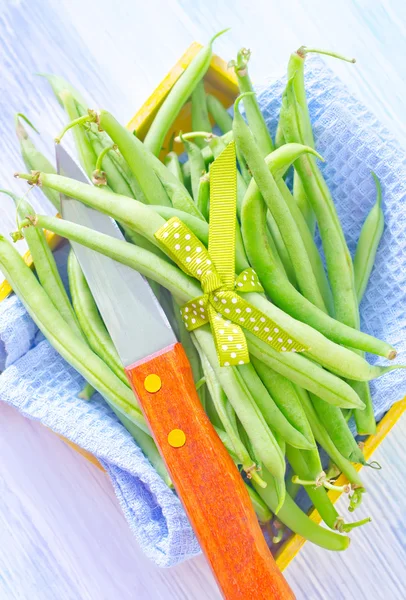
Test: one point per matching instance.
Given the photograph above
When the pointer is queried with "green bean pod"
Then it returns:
(172, 163)
(203, 195)
(221, 117)
(294, 518)
(308, 241)
(338, 259)
(197, 166)
(279, 137)
(220, 402)
(303, 203)
(178, 96)
(200, 113)
(318, 495)
(339, 432)
(70, 346)
(136, 158)
(290, 430)
(364, 258)
(255, 117)
(45, 266)
(89, 318)
(262, 438)
(284, 395)
(323, 438)
(368, 242)
(33, 159)
(261, 509)
(283, 294)
(280, 248)
(275, 203)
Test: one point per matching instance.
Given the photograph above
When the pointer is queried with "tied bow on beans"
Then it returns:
(220, 305)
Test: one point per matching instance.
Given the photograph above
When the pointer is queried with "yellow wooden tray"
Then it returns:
(220, 82)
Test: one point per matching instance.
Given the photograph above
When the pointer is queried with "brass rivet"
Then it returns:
(176, 438)
(152, 383)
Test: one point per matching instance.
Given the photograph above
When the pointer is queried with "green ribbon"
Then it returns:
(220, 305)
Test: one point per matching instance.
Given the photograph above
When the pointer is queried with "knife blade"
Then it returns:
(206, 479)
(149, 329)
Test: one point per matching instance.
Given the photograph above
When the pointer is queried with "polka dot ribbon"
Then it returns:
(220, 305)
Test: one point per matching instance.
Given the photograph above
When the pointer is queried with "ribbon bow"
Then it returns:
(220, 305)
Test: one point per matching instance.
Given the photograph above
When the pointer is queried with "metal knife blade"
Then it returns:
(131, 312)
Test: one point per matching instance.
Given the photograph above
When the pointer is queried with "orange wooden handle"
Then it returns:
(206, 479)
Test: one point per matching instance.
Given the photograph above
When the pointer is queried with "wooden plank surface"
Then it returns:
(62, 534)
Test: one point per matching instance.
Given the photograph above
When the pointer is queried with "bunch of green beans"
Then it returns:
(280, 404)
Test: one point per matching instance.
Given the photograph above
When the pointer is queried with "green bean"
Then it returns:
(365, 253)
(220, 115)
(172, 163)
(305, 373)
(339, 264)
(70, 346)
(203, 195)
(197, 166)
(318, 495)
(296, 520)
(87, 392)
(338, 259)
(303, 203)
(275, 203)
(368, 242)
(60, 85)
(220, 402)
(296, 73)
(261, 510)
(334, 357)
(255, 117)
(177, 97)
(308, 241)
(93, 142)
(276, 418)
(275, 254)
(45, 266)
(89, 318)
(33, 159)
(339, 432)
(280, 248)
(323, 438)
(87, 156)
(284, 294)
(200, 113)
(284, 395)
(136, 158)
(279, 137)
(249, 414)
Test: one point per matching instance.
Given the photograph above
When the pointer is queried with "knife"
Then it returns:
(207, 481)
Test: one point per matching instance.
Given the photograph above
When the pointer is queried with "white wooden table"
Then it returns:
(62, 535)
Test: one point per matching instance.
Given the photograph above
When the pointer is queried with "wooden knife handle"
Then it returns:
(206, 479)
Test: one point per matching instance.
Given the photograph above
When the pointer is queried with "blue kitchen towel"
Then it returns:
(39, 383)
